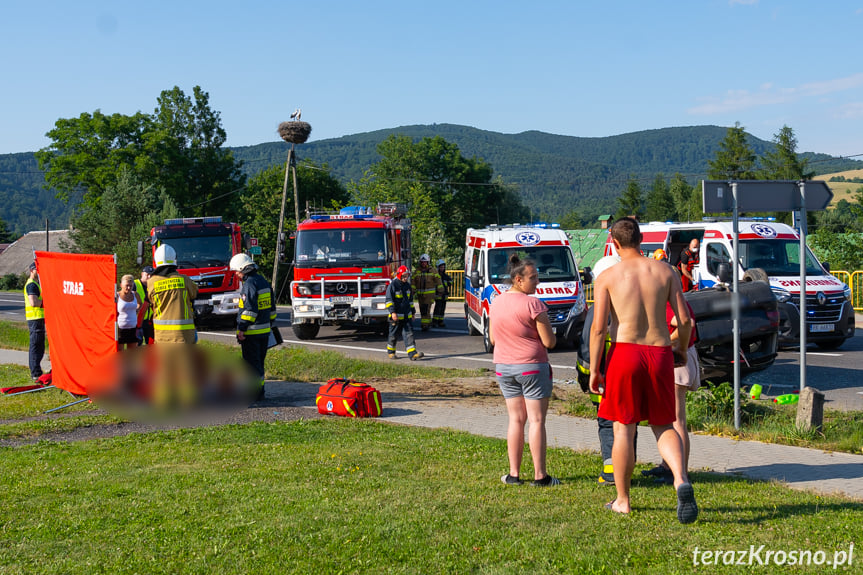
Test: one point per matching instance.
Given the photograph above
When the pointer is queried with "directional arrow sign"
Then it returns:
(764, 195)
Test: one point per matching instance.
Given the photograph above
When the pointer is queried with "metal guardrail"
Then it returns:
(853, 279)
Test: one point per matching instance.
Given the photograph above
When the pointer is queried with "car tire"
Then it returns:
(756, 275)
(306, 330)
(486, 337)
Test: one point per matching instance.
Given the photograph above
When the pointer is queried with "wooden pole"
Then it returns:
(288, 163)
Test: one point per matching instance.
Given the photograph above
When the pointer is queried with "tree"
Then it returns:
(687, 199)
(126, 212)
(782, 163)
(5, 235)
(177, 149)
(735, 159)
(660, 204)
(632, 201)
(261, 203)
(446, 192)
(842, 251)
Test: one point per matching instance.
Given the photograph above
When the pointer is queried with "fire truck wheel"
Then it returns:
(755, 275)
(306, 330)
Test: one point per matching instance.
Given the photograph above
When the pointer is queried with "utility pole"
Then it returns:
(293, 132)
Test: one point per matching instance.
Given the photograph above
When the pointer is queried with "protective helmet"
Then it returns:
(441, 263)
(165, 256)
(659, 254)
(402, 271)
(425, 258)
(240, 261)
(603, 264)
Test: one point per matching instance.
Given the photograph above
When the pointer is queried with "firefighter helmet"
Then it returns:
(165, 256)
(441, 263)
(425, 258)
(402, 271)
(240, 261)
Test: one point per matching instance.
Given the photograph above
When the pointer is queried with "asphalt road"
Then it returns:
(838, 373)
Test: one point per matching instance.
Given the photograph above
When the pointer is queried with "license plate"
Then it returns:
(342, 299)
(821, 327)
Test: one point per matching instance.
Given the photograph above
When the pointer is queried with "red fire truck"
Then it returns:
(343, 264)
(204, 248)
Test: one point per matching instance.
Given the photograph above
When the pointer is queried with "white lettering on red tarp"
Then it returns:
(73, 288)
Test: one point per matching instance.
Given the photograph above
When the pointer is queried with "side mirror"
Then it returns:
(826, 266)
(587, 276)
(723, 272)
(247, 240)
(474, 279)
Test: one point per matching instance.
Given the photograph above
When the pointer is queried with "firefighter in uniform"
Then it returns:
(35, 314)
(427, 287)
(400, 305)
(687, 262)
(172, 297)
(257, 314)
(440, 301)
(145, 319)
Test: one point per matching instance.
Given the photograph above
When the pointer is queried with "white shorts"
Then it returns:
(689, 375)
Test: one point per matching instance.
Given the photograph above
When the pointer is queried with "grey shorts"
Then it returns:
(531, 380)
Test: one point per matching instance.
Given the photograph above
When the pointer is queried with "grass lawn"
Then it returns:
(361, 496)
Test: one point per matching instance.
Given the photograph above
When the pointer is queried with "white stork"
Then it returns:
(296, 115)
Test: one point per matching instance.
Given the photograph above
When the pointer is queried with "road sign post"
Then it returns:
(765, 196)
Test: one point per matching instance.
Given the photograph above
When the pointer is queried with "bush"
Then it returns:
(12, 282)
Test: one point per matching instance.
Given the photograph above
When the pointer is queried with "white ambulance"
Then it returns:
(769, 251)
(486, 258)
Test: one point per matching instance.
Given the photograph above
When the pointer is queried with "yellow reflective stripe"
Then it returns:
(377, 402)
(257, 331)
(595, 398)
(348, 408)
(247, 317)
(172, 327)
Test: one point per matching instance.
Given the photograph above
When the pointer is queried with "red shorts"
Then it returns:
(639, 384)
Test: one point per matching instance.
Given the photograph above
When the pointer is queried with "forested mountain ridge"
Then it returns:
(554, 174)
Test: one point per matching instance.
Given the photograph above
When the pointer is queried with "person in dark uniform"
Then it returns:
(440, 301)
(35, 314)
(257, 314)
(687, 262)
(400, 305)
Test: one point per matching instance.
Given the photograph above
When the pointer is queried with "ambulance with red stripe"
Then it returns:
(486, 258)
(769, 251)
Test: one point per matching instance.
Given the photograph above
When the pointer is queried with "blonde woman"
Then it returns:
(128, 304)
(521, 334)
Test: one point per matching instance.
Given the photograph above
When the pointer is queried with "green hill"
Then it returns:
(554, 174)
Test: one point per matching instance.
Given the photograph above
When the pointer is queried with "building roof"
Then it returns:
(16, 257)
(587, 245)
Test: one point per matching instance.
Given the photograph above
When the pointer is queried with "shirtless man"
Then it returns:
(640, 362)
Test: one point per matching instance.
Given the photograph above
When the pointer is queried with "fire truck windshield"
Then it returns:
(200, 251)
(351, 246)
(554, 263)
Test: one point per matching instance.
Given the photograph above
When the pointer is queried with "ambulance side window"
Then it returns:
(716, 254)
(474, 262)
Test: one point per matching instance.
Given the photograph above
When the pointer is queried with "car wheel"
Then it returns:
(830, 343)
(486, 338)
(756, 275)
(471, 330)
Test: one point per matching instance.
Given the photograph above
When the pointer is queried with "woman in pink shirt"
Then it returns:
(521, 332)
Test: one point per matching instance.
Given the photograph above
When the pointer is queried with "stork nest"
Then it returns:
(295, 132)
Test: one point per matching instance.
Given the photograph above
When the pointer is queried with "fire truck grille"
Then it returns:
(207, 283)
(829, 311)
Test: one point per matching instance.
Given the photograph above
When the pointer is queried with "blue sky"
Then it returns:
(574, 68)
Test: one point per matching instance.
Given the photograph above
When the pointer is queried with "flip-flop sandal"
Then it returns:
(687, 508)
